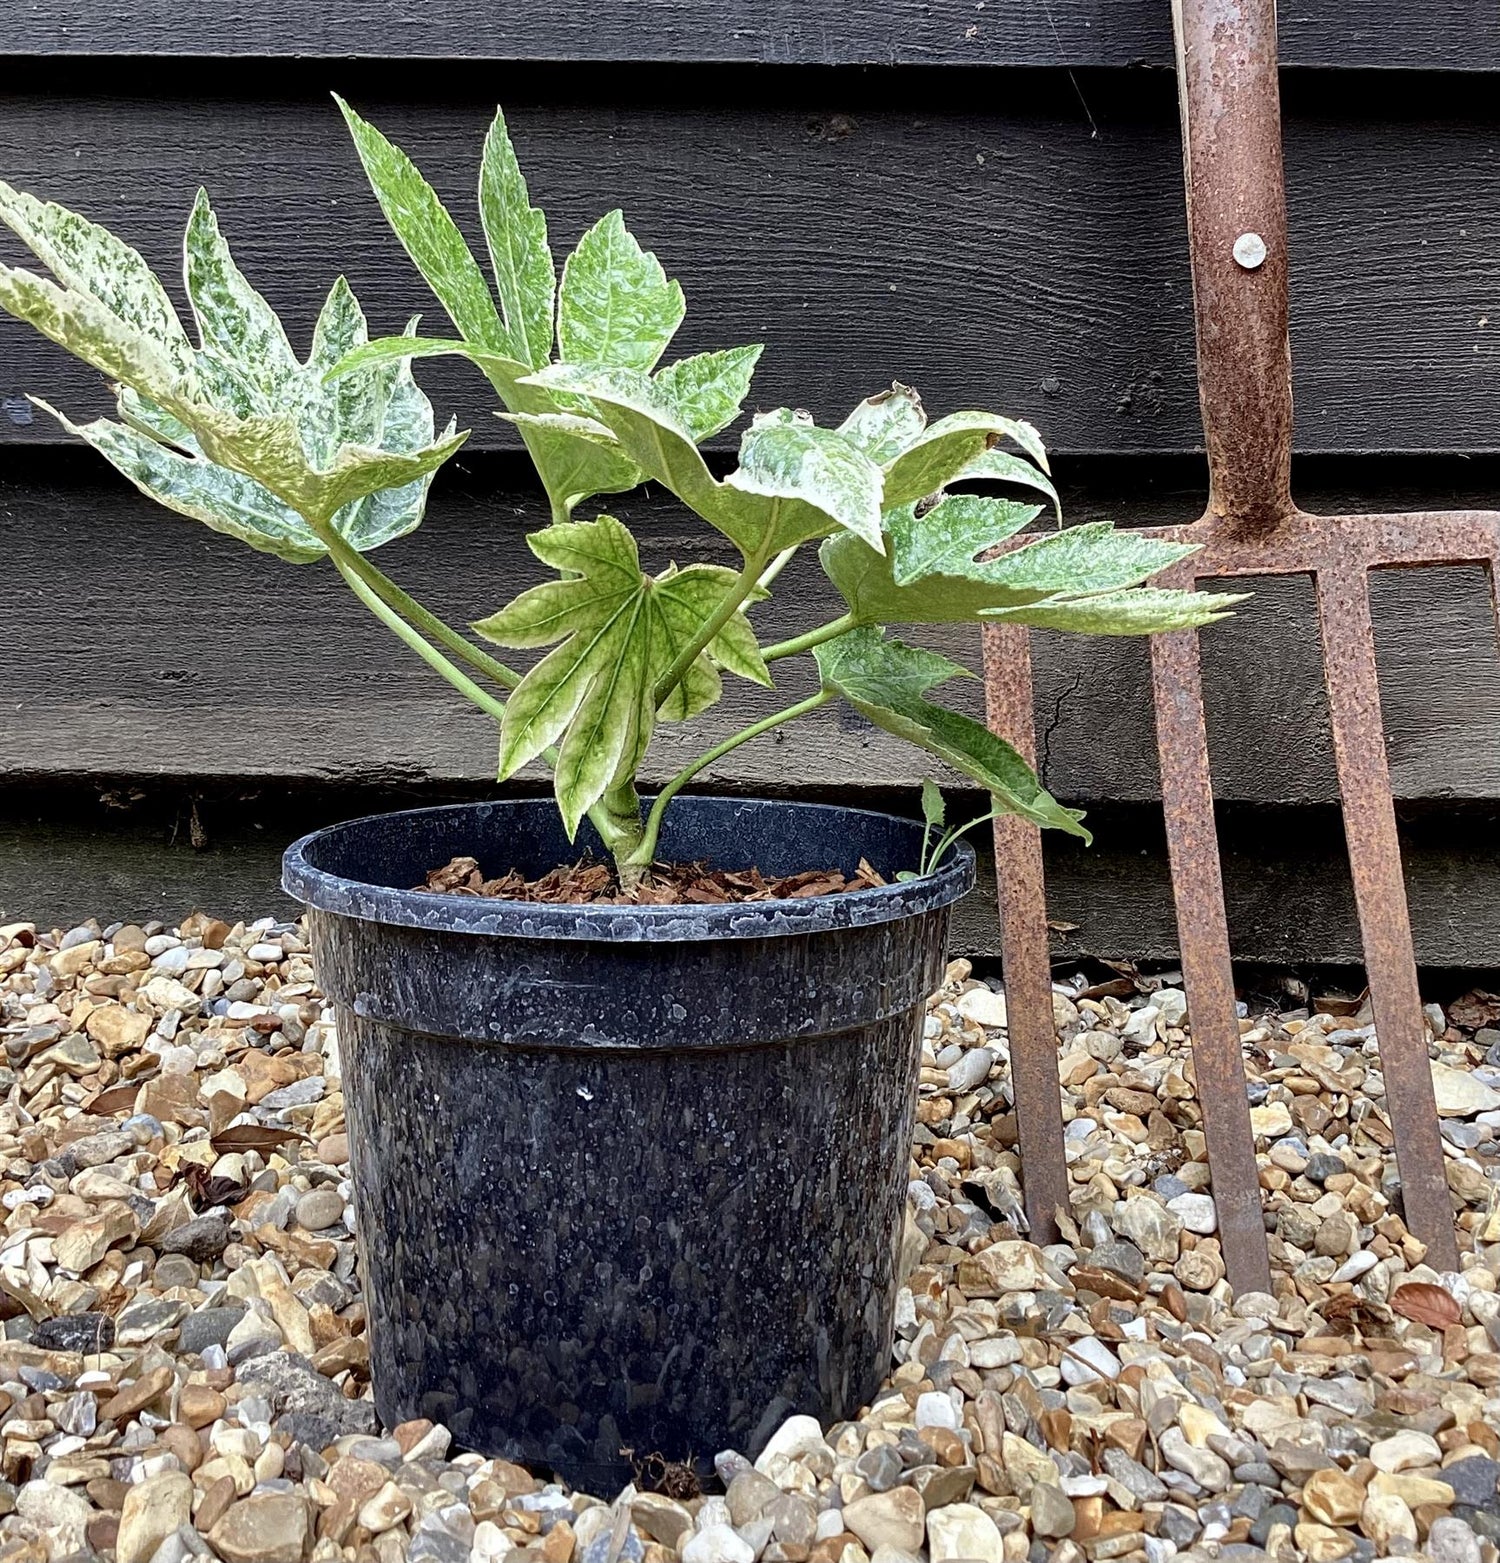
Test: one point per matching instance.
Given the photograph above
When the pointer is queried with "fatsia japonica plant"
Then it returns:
(332, 455)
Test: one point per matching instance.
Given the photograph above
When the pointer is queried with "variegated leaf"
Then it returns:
(708, 389)
(429, 235)
(235, 324)
(516, 232)
(90, 260)
(616, 307)
(888, 681)
(945, 448)
(1138, 610)
(885, 424)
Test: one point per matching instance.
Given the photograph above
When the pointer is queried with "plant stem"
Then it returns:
(349, 559)
(790, 648)
(647, 848)
(776, 566)
(428, 653)
(734, 599)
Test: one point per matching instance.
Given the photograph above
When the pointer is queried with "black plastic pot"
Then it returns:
(627, 1178)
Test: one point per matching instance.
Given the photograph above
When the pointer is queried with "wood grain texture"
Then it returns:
(1353, 33)
(138, 644)
(985, 247)
(70, 853)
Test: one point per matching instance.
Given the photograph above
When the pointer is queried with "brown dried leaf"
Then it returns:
(1424, 1303)
(253, 1137)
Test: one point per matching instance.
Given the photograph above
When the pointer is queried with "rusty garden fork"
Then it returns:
(1236, 209)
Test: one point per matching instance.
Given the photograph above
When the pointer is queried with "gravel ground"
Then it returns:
(183, 1369)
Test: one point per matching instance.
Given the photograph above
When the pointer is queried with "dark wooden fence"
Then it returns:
(981, 199)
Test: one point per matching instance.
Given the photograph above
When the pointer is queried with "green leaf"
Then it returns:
(646, 424)
(620, 631)
(235, 324)
(812, 475)
(794, 482)
(222, 499)
(933, 810)
(616, 307)
(708, 390)
(1094, 557)
(885, 424)
(1136, 611)
(88, 330)
(946, 539)
(516, 232)
(887, 682)
(90, 260)
(502, 370)
(946, 447)
(1001, 466)
(684, 601)
(429, 235)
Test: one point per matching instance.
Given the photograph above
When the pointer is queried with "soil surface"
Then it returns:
(665, 884)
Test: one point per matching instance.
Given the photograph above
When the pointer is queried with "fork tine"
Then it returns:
(1380, 894)
(1023, 940)
(1203, 933)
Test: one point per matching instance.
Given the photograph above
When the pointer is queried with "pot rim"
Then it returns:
(318, 888)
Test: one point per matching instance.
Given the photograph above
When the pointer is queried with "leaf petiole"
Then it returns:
(805, 642)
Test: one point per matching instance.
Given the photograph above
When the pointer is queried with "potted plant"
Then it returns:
(629, 1140)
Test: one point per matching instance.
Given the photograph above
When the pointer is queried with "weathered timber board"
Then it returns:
(68, 855)
(1330, 33)
(137, 643)
(985, 246)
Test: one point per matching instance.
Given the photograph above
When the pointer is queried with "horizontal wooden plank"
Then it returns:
(140, 644)
(991, 248)
(1350, 34)
(127, 850)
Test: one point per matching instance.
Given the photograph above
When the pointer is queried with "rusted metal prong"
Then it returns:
(1023, 933)
(1198, 891)
(1380, 895)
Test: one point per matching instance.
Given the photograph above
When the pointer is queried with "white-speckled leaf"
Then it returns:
(883, 425)
(616, 307)
(516, 232)
(429, 235)
(708, 389)
(946, 539)
(1139, 610)
(946, 447)
(235, 323)
(887, 681)
(684, 601)
(91, 332)
(812, 476)
(1002, 466)
(89, 259)
(227, 501)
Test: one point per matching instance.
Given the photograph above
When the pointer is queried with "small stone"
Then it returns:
(263, 1528)
(1133, 1476)
(208, 1327)
(1203, 1465)
(971, 1071)
(896, 1518)
(1451, 1541)
(880, 1467)
(85, 1332)
(798, 1435)
(137, 1396)
(935, 1409)
(750, 1493)
(61, 1514)
(1405, 1451)
(1461, 1094)
(1150, 1226)
(983, 1006)
(1387, 1521)
(1337, 1234)
(662, 1518)
(153, 1510)
(1122, 1259)
(1332, 1497)
(717, 1544)
(1052, 1512)
(1088, 1360)
(962, 1530)
(202, 1239)
(198, 1405)
(383, 1509)
(320, 1208)
(1474, 1480)
(1270, 1121)
(1196, 1212)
